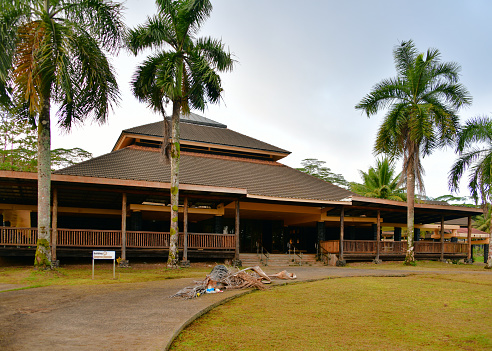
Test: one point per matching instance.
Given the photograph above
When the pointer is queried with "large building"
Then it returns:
(235, 198)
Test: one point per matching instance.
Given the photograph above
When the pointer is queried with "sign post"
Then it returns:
(104, 255)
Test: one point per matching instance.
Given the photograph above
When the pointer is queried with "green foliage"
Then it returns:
(41, 258)
(380, 182)
(186, 74)
(482, 222)
(315, 168)
(18, 148)
(474, 147)
(54, 52)
(18, 145)
(422, 102)
(183, 69)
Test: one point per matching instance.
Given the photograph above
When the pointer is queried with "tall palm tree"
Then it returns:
(183, 70)
(380, 182)
(422, 102)
(475, 149)
(51, 54)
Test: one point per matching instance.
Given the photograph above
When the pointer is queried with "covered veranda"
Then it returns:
(216, 222)
(393, 214)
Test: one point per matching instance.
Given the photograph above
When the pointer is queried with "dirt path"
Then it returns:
(138, 316)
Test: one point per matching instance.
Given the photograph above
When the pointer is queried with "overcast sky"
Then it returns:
(304, 65)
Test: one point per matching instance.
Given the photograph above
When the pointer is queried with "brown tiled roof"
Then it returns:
(259, 178)
(208, 133)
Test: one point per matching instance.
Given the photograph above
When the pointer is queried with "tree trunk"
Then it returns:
(43, 250)
(410, 256)
(172, 261)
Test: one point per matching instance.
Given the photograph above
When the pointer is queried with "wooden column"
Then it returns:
(469, 240)
(185, 230)
(236, 231)
(442, 238)
(54, 225)
(378, 234)
(340, 250)
(123, 227)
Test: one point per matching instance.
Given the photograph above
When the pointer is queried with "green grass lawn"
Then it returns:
(81, 274)
(420, 266)
(420, 312)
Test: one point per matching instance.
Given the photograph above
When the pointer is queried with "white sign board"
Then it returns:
(103, 255)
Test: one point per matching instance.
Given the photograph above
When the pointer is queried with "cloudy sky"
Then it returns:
(304, 65)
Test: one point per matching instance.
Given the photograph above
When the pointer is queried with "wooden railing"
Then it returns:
(391, 247)
(88, 238)
(210, 241)
(394, 247)
(160, 240)
(358, 246)
(330, 246)
(18, 236)
(10, 236)
(435, 247)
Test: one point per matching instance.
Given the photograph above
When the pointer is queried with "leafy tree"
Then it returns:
(183, 70)
(380, 182)
(52, 53)
(422, 102)
(315, 168)
(18, 148)
(475, 154)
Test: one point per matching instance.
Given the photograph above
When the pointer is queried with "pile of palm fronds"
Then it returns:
(222, 278)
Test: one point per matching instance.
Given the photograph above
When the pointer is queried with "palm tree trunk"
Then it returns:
(172, 261)
(43, 251)
(410, 257)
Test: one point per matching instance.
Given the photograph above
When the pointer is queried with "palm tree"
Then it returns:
(380, 182)
(422, 101)
(51, 53)
(475, 149)
(183, 71)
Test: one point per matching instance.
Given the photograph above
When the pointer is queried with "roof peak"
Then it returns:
(193, 118)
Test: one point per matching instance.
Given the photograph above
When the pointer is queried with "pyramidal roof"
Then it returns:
(198, 129)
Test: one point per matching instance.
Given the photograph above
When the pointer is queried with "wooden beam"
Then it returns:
(325, 218)
(469, 227)
(54, 225)
(236, 231)
(442, 238)
(481, 242)
(265, 207)
(378, 234)
(185, 230)
(423, 226)
(219, 211)
(342, 215)
(62, 209)
(123, 227)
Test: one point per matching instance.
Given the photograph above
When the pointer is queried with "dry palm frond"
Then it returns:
(221, 277)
